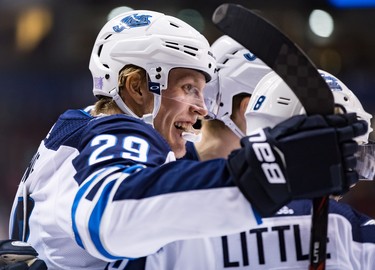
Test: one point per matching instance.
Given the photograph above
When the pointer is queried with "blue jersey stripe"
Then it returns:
(95, 219)
(76, 201)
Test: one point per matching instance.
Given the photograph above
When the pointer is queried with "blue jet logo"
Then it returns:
(249, 56)
(132, 21)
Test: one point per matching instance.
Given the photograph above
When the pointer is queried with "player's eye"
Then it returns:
(191, 90)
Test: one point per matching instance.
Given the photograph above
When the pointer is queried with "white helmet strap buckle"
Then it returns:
(229, 123)
(121, 104)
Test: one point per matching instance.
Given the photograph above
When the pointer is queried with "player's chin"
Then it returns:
(177, 143)
(179, 148)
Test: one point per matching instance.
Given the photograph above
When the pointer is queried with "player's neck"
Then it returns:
(216, 144)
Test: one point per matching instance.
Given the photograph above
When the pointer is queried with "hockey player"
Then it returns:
(351, 235)
(240, 72)
(104, 185)
(281, 241)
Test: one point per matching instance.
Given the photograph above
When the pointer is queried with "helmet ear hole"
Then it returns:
(100, 50)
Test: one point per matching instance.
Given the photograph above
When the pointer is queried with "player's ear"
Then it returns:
(135, 87)
(238, 113)
(243, 105)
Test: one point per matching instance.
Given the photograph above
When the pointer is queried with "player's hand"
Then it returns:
(17, 255)
(302, 157)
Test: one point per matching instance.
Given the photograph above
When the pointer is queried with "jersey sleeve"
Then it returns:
(133, 197)
(362, 251)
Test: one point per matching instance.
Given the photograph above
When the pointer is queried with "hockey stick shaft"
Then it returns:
(318, 235)
(281, 54)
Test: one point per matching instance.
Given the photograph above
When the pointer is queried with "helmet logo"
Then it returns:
(249, 56)
(132, 21)
(98, 82)
(154, 87)
(332, 82)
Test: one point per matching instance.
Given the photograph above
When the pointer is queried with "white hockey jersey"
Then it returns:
(102, 190)
(281, 242)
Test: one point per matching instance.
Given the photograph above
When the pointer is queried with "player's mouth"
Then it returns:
(185, 126)
(188, 132)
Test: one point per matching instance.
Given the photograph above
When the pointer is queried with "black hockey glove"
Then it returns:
(302, 157)
(17, 255)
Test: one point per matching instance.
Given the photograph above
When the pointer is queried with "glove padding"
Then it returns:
(17, 255)
(302, 157)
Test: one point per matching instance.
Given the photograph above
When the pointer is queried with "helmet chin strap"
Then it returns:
(147, 118)
(155, 110)
(121, 104)
(229, 123)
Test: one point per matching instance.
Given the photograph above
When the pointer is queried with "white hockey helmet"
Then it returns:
(150, 40)
(239, 73)
(273, 102)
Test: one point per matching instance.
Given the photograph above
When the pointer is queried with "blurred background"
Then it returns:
(45, 47)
